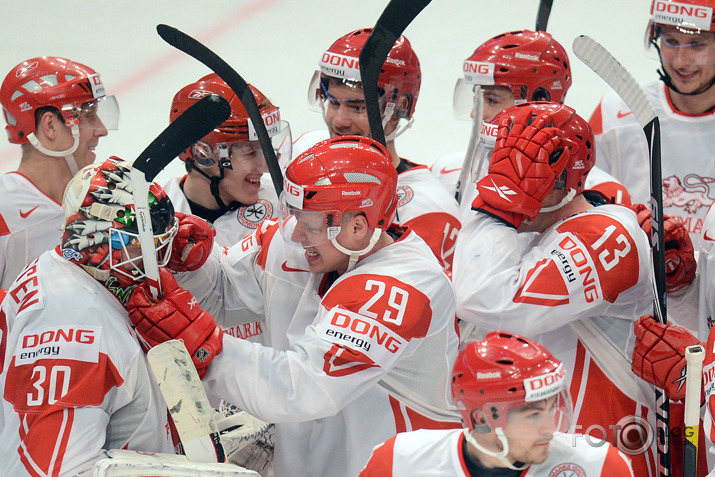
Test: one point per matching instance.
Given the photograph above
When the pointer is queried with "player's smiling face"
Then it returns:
(345, 112)
(688, 57)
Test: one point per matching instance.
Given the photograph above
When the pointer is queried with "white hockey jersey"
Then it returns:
(230, 229)
(424, 206)
(440, 452)
(369, 355)
(577, 289)
(30, 223)
(75, 381)
(687, 151)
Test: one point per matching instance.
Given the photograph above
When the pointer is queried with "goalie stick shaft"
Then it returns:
(393, 21)
(189, 127)
(199, 51)
(542, 16)
(620, 80)
(186, 399)
(694, 356)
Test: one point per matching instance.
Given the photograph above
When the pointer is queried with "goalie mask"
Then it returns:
(398, 83)
(336, 176)
(505, 382)
(234, 144)
(74, 90)
(100, 231)
(682, 31)
(532, 65)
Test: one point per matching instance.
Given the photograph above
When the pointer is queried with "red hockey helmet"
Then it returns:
(237, 128)
(49, 81)
(400, 76)
(504, 371)
(339, 175)
(577, 137)
(100, 223)
(533, 65)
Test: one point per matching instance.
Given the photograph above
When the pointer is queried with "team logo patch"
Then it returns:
(567, 470)
(404, 195)
(251, 216)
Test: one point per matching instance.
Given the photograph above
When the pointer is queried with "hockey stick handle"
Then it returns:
(542, 16)
(396, 16)
(465, 174)
(694, 356)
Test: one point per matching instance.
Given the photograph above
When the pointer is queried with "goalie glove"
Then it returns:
(238, 430)
(659, 355)
(176, 316)
(192, 243)
(680, 262)
(526, 161)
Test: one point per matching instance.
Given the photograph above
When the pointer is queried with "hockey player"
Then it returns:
(681, 33)
(336, 91)
(57, 110)
(226, 182)
(225, 170)
(579, 283)
(75, 382)
(512, 68)
(515, 407)
(371, 338)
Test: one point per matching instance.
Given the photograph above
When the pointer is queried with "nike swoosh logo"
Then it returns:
(286, 268)
(444, 170)
(620, 114)
(25, 215)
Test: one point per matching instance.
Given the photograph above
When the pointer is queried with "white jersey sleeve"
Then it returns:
(447, 169)
(594, 263)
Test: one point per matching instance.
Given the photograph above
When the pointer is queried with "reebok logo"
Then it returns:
(25, 215)
(351, 192)
(489, 375)
(502, 191)
(524, 56)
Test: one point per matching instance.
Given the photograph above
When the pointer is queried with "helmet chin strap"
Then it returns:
(356, 254)
(568, 198)
(499, 455)
(68, 154)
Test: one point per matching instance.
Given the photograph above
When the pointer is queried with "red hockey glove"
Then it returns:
(523, 169)
(192, 244)
(680, 263)
(659, 355)
(176, 316)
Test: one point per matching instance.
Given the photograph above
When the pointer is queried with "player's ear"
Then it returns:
(358, 225)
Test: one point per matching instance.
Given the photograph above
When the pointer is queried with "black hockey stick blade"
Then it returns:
(196, 122)
(199, 51)
(393, 21)
(542, 16)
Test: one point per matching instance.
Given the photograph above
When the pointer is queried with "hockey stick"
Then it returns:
(202, 53)
(393, 21)
(187, 402)
(465, 174)
(542, 16)
(192, 125)
(694, 356)
(620, 80)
